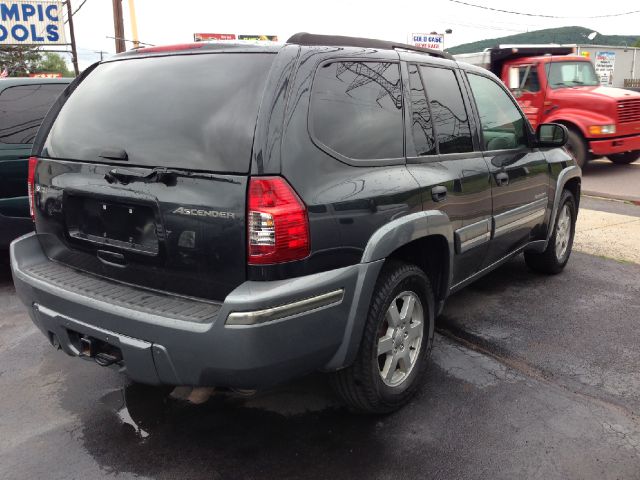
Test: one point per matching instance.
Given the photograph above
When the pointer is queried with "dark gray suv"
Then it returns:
(237, 216)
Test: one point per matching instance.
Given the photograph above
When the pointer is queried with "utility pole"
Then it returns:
(72, 33)
(101, 52)
(118, 26)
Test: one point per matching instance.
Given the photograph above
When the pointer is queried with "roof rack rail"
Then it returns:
(310, 39)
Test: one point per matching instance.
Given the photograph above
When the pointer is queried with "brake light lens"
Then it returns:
(278, 225)
(31, 185)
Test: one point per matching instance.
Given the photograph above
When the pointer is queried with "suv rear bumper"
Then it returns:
(614, 145)
(309, 323)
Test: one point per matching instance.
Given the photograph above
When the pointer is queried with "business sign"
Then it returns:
(231, 37)
(259, 38)
(46, 75)
(203, 37)
(604, 64)
(26, 22)
(427, 40)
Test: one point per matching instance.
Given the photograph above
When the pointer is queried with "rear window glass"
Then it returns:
(22, 109)
(356, 109)
(185, 111)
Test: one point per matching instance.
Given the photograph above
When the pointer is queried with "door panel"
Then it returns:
(519, 173)
(467, 203)
(14, 167)
(519, 202)
(452, 178)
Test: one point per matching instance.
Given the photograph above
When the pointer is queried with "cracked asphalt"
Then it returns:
(530, 377)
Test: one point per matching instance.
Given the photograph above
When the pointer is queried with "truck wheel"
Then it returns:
(625, 158)
(396, 342)
(577, 147)
(556, 256)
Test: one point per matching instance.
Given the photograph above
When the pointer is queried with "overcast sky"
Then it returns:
(165, 22)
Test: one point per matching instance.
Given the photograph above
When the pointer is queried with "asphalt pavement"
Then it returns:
(605, 179)
(530, 377)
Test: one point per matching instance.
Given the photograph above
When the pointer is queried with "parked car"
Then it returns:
(23, 104)
(269, 211)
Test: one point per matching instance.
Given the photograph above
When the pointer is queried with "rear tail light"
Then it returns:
(31, 185)
(278, 227)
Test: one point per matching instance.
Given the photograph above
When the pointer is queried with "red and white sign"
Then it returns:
(45, 75)
(433, 41)
(203, 37)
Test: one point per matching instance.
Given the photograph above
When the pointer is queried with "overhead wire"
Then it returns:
(540, 15)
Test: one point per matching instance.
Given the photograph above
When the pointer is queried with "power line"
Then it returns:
(131, 41)
(76, 10)
(540, 15)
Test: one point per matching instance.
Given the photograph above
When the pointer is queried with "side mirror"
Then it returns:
(551, 135)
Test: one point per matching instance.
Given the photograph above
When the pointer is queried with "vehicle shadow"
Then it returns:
(296, 431)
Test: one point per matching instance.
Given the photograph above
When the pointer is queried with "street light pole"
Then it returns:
(72, 34)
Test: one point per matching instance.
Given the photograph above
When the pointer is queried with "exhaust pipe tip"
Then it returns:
(53, 339)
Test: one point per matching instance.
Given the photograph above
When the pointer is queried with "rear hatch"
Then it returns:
(142, 177)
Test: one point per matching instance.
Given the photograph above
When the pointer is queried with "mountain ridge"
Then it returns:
(562, 35)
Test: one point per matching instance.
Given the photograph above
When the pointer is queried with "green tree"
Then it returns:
(637, 44)
(50, 62)
(18, 59)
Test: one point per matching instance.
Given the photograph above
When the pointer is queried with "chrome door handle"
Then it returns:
(502, 179)
(439, 193)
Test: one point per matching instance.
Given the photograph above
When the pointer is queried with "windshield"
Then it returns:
(571, 74)
(186, 111)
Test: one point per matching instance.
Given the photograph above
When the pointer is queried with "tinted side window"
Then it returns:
(22, 109)
(421, 116)
(356, 109)
(447, 107)
(502, 124)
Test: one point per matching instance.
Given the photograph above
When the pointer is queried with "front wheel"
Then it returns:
(397, 338)
(556, 255)
(625, 158)
(577, 147)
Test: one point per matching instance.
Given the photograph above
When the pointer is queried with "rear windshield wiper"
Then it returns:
(164, 175)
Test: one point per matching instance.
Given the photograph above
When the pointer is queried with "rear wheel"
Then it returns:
(577, 147)
(397, 339)
(558, 250)
(624, 158)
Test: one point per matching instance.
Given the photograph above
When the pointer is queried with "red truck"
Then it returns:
(552, 84)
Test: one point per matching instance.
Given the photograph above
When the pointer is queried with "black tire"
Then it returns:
(625, 158)
(549, 261)
(577, 147)
(361, 385)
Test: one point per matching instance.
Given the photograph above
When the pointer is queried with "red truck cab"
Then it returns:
(554, 85)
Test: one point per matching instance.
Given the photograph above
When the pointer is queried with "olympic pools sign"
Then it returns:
(26, 22)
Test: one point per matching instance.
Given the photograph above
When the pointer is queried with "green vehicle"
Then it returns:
(23, 104)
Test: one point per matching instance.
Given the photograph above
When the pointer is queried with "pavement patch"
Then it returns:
(470, 366)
